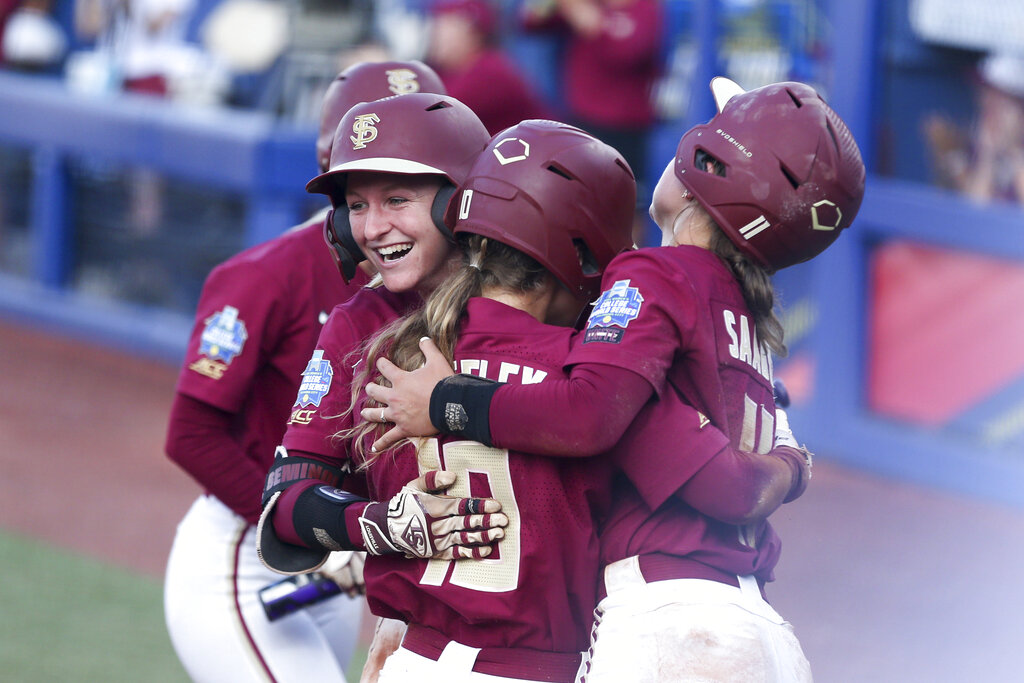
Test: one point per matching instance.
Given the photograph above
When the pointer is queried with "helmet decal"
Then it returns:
(831, 213)
(515, 152)
(364, 129)
(464, 204)
(402, 81)
(755, 227)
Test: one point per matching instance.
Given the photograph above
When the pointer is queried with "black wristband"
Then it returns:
(461, 405)
(319, 517)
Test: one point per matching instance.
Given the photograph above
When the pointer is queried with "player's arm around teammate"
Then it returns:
(769, 182)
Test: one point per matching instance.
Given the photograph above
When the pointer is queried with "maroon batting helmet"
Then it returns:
(365, 82)
(555, 193)
(793, 176)
(419, 133)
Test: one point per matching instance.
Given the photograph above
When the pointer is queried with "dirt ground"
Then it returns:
(883, 580)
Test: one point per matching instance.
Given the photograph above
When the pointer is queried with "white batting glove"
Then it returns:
(784, 437)
(420, 523)
(345, 568)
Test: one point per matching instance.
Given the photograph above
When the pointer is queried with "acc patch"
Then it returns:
(316, 380)
(612, 313)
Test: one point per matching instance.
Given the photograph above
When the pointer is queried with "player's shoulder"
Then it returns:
(369, 308)
(679, 262)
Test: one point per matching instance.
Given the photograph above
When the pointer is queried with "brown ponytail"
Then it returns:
(756, 285)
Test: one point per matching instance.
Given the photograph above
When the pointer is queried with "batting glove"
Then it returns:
(419, 523)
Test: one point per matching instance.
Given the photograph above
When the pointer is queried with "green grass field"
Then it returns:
(71, 618)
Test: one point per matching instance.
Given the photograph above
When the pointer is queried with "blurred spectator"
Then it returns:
(986, 162)
(141, 47)
(30, 38)
(613, 57)
(464, 50)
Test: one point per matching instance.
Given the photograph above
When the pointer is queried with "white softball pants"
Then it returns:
(692, 630)
(217, 624)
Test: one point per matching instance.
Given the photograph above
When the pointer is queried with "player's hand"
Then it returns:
(783, 434)
(345, 568)
(407, 401)
(419, 522)
(784, 437)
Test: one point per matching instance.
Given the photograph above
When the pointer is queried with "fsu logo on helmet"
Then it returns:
(402, 81)
(364, 129)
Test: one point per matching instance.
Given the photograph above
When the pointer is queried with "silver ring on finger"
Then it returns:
(382, 415)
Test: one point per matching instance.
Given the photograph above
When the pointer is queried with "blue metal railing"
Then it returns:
(247, 153)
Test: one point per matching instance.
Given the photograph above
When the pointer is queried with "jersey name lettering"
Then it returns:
(528, 375)
(743, 344)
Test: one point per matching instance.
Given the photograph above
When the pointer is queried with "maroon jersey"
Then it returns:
(258, 318)
(676, 315)
(321, 404)
(539, 591)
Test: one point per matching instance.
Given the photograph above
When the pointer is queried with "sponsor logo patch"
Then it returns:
(613, 312)
(316, 381)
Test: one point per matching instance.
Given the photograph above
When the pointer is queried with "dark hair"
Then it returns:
(756, 284)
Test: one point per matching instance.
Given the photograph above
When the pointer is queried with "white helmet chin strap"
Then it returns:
(723, 90)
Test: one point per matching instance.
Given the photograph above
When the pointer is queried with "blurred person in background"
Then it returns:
(257, 323)
(464, 48)
(141, 46)
(613, 57)
(985, 162)
(30, 38)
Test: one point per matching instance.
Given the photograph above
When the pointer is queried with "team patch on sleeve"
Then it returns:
(316, 381)
(221, 341)
(612, 313)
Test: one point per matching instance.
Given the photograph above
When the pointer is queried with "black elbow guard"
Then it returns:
(461, 405)
(319, 520)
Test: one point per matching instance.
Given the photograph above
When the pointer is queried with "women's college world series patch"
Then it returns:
(221, 341)
(612, 313)
(316, 381)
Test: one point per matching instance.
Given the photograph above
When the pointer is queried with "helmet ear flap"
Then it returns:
(338, 235)
(440, 207)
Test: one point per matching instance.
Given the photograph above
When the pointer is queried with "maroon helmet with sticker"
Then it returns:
(555, 193)
(419, 133)
(365, 82)
(791, 175)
